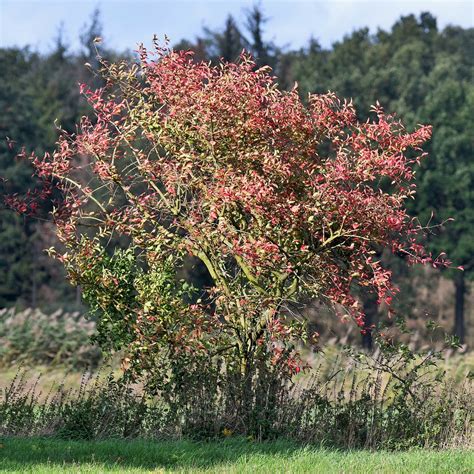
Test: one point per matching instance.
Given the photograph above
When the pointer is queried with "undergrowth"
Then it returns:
(377, 401)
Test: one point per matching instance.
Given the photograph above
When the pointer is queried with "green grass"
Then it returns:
(230, 456)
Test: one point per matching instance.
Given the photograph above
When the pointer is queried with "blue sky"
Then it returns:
(128, 22)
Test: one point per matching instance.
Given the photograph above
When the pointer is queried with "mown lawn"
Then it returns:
(53, 456)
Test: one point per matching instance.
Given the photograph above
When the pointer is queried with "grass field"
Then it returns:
(229, 456)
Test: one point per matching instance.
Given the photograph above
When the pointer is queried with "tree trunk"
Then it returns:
(34, 291)
(78, 296)
(371, 311)
(459, 326)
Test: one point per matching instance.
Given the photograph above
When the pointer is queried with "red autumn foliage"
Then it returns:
(277, 198)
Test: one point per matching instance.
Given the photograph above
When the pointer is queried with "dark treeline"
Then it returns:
(422, 73)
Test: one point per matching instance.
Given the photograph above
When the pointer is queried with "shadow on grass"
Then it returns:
(25, 454)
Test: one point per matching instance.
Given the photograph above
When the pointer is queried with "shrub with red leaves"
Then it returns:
(278, 199)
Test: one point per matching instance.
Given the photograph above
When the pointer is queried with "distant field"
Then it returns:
(229, 456)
